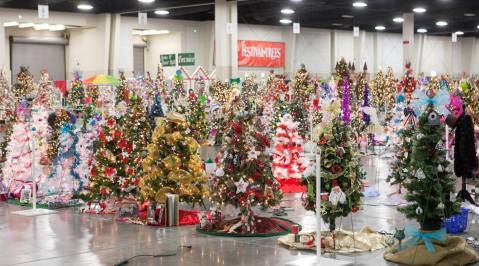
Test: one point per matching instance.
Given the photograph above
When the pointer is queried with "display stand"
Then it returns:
(34, 211)
(318, 260)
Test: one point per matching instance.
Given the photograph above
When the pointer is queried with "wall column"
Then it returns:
(408, 37)
(226, 44)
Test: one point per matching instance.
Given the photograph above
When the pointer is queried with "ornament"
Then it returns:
(420, 174)
(171, 162)
(241, 186)
(406, 154)
(440, 168)
(220, 172)
(433, 119)
(337, 195)
(419, 136)
(419, 211)
(253, 154)
(440, 206)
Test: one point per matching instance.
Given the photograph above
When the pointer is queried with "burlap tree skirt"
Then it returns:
(455, 251)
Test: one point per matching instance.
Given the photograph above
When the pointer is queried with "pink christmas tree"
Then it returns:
(288, 161)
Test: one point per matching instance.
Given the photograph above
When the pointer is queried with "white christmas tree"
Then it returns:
(84, 147)
(40, 133)
(288, 161)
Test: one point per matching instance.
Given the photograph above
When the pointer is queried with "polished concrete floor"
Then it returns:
(70, 238)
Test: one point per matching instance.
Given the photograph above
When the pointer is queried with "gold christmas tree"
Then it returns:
(173, 164)
(25, 85)
(390, 84)
(379, 90)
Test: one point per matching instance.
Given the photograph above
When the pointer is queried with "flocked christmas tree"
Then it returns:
(173, 164)
(288, 162)
(341, 173)
(429, 182)
(244, 178)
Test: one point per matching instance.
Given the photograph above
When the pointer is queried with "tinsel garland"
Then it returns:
(366, 118)
(345, 108)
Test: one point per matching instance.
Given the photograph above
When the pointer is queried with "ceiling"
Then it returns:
(310, 13)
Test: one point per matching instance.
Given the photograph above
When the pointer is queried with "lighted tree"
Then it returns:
(24, 86)
(379, 91)
(173, 164)
(197, 120)
(408, 83)
(302, 88)
(56, 121)
(76, 96)
(280, 102)
(400, 167)
(85, 148)
(244, 178)
(342, 73)
(391, 87)
(123, 89)
(429, 182)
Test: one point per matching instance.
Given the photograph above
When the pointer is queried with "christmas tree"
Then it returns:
(63, 182)
(341, 173)
(40, 133)
(390, 83)
(408, 83)
(249, 92)
(196, 116)
(18, 164)
(85, 148)
(7, 115)
(378, 91)
(288, 162)
(47, 95)
(429, 182)
(280, 103)
(173, 164)
(244, 178)
(302, 88)
(123, 90)
(76, 96)
(342, 73)
(25, 86)
(400, 167)
(56, 121)
(156, 110)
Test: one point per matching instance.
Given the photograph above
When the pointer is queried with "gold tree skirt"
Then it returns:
(346, 241)
(455, 251)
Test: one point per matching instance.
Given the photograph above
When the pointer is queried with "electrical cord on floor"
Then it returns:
(125, 262)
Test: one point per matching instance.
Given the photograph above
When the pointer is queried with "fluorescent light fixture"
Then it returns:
(285, 21)
(380, 27)
(347, 16)
(26, 25)
(287, 11)
(57, 27)
(43, 26)
(441, 23)
(469, 14)
(162, 12)
(422, 30)
(150, 32)
(398, 20)
(85, 7)
(146, 1)
(297, 1)
(459, 33)
(359, 4)
(433, 73)
(478, 26)
(337, 24)
(10, 24)
(419, 10)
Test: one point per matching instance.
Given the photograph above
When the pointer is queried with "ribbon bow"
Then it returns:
(421, 101)
(416, 236)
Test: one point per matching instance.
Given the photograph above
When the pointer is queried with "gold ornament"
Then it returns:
(173, 138)
(194, 163)
(181, 176)
(176, 117)
(171, 162)
(192, 145)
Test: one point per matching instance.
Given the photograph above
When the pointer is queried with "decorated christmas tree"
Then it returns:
(342, 73)
(288, 162)
(47, 95)
(390, 83)
(249, 92)
(244, 178)
(197, 120)
(85, 148)
(24, 87)
(40, 133)
(56, 121)
(123, 89)
(429, 182)
(173, 164)
(280, 102)
(400, 167)
(156, 110)
(379, 91)
(63, 182)
(408, 83)
(7, 115)
(76, 96)
(341, 173)
(302, 88)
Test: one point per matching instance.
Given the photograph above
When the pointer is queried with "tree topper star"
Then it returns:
(241, 186)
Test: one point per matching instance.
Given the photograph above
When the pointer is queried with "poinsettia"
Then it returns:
(110, 171)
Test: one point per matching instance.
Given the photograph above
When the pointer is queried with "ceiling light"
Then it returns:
(146, 1)
(43, 26)
(285, 21)
(360, 4)
(469, 14)
(380, 27)
(398, 20)
(162, 12)
(337, 24)
(296, 0)
(85, 7)
(287, 11)
(150, 32)
(421, 30)
(26, 25)
(419, 10)
(441, 23)
(459, 33)
(478, 26)
(10, 24)
(347, 16)
(57, 27)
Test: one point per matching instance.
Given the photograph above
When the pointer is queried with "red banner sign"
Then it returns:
(261, 54)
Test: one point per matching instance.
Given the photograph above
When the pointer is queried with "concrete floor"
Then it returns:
(70, 238)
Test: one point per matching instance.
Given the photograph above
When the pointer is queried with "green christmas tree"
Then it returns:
(302, 88)
(25, 86)
(76, 96)
(400, 167)
(123, 90)
(196, 116)
(173, 164)
(429, 182)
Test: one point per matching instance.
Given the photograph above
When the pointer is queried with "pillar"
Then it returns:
(226, 39)
(408, 37)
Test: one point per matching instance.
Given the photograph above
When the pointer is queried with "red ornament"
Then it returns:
(130, 171)
(118, 134)
(103, 191)
(111, 122)
(110, 171)
(355, 209)
(93, 172)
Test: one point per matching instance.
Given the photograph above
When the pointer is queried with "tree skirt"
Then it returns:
(41, 205)
(366, 240)
(291, 185)
(265, 227)
(455, 251)
(185, 218)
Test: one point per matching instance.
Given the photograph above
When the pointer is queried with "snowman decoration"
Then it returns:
(336, 195)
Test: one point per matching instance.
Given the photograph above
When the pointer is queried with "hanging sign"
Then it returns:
(229, 28)
(296, 28)
(186, 59)
(261, 54)
(454, 37)
(43, 11)
(142, 18)
(356, 31)
(168, 60)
